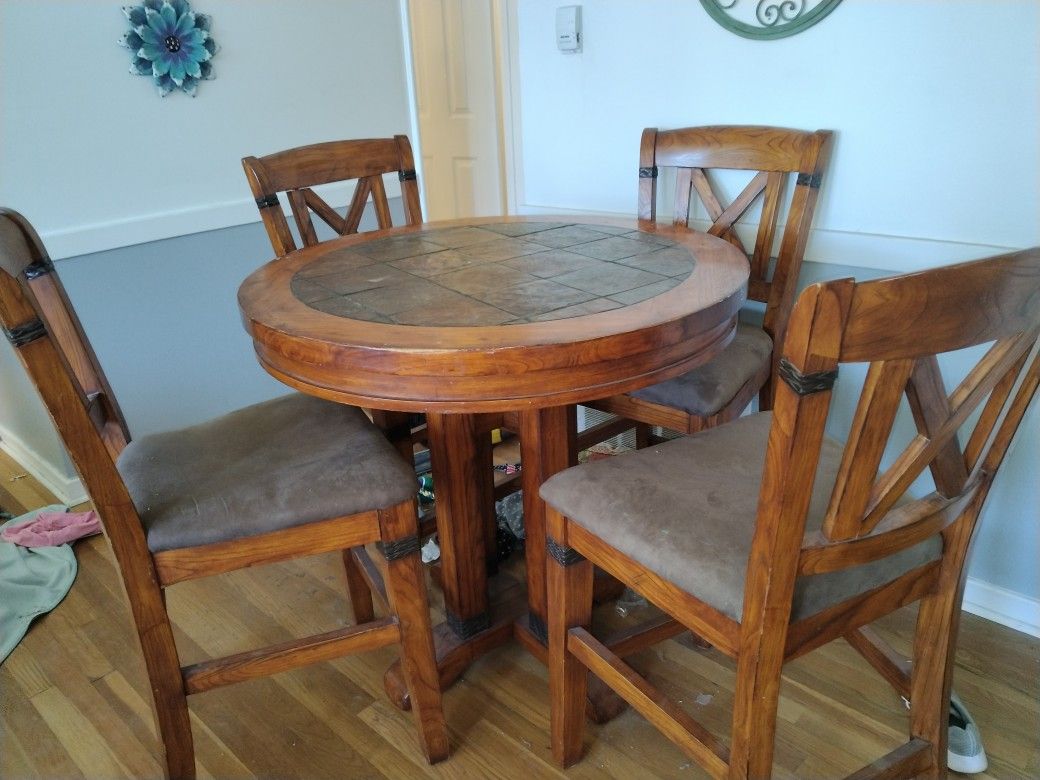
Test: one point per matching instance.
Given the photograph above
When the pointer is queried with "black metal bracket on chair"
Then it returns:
(27, 332)
(464, 628)
(538, 628)
(809, 179)
(408, 175)
(565, 556)
(806, 384)
(38, 269)
(267, 201)
(400, 548)
(648, 173)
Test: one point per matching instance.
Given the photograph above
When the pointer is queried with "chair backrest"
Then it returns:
(296, 171)
(41, 324)
(899, 326)
(776, 155)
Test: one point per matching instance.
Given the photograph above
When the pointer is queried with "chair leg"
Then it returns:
(642, 436)
(935, 638)
(756, 698)
(406, 592)
(164, 675)
(357, 590)
(570, 600)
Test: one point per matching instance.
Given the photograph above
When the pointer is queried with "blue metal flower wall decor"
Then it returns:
(171, 43)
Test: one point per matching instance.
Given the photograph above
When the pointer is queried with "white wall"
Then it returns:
(934, 103)
(936, 160)
(97, 160)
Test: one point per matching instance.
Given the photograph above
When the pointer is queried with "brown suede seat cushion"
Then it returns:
(686, 510)
(277, 464)
(708, 388)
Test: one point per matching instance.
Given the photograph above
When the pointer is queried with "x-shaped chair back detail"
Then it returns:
(297, 171)
(776, 156)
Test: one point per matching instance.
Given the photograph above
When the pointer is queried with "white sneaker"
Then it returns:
(965, 753)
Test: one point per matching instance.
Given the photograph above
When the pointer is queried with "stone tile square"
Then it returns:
(343, 306)
(408, 295)
(560, 237)
(608, 279)
(336, 262)
(551, 263)
(307, 290)
(529, 299)
(610, 230)
(481, 278)
(670, 261)
(628, 297)
(503, 249)
(521, 228)
(613, 248)
(453, 238)
(595, 306)
(649, 238)
(435, 263)
(368, 277)
(466, 311)
(397, 247)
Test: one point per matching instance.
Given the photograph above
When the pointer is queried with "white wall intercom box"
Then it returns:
(568, 28)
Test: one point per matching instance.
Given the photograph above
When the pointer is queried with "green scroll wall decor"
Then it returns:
(768, 19)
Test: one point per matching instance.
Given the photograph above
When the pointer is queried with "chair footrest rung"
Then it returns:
(689, 735)
(290, 655)
(646, 634)
(908, 760)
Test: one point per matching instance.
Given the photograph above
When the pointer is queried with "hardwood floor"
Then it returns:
(74, 700)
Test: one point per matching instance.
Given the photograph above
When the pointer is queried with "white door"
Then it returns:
(453, 58)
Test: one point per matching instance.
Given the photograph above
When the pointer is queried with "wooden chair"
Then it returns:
(296, 171)
(279, 480)
(722, 389)
(770, 539)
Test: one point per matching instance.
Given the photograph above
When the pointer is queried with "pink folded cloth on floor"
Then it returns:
(49, 529)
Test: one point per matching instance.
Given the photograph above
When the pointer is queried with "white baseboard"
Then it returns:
(68, 490)
(85, 239)
(1003, 606)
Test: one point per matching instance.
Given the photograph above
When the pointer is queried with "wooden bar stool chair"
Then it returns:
(275, 481)
(297, 171)
(782, 161)
(770, 539)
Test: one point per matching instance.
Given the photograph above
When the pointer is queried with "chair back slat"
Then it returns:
(324, 211)
(767, 225)
(871, 514)
(301, 213)
(930, 406)
(868, 437)
(296, 171)
(380, 202)
(774, 156)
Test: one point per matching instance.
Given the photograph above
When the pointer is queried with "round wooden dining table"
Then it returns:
(470, 319)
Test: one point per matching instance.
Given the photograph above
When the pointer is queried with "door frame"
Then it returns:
(507, 98)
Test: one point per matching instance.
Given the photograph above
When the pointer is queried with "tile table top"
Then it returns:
(494, 274)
